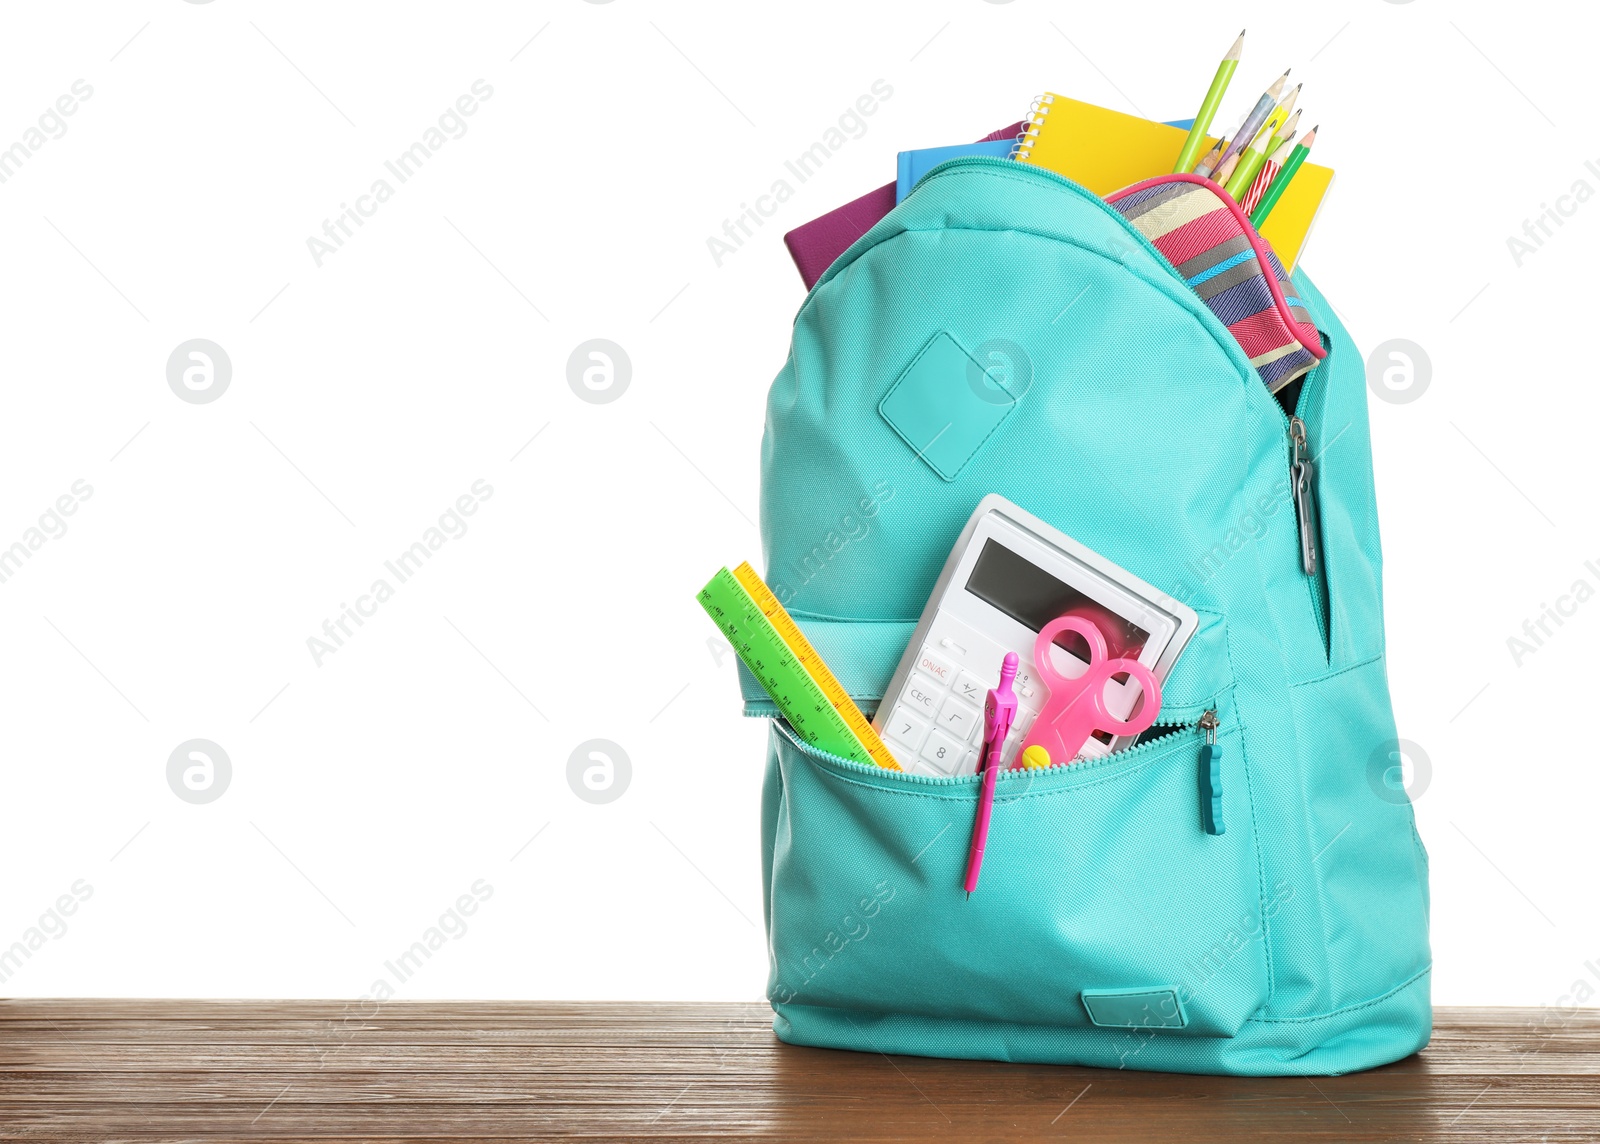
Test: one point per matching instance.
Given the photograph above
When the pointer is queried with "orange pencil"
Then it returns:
(1223, 173)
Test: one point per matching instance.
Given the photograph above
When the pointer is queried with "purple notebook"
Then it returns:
(815, 245)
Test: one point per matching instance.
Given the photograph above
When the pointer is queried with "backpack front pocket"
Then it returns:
(1102, 902)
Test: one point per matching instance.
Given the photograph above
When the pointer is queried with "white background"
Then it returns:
(367, 394)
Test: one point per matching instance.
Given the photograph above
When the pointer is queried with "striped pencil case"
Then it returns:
(1205, 234)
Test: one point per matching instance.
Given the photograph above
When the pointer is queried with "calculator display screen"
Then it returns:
(1028, 594)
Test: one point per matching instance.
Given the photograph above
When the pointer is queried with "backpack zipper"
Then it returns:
(1211, 776)
(1303, 491)
(1007, 774)
(1301, 474)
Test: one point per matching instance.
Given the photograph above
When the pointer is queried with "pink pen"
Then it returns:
(999, 710)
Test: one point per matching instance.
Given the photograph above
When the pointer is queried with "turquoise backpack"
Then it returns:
(1111, 928)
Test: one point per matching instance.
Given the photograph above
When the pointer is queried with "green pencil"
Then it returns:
(1281, 182)
(1208, 108)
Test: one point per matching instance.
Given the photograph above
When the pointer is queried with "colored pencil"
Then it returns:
(1250, 161)
(1287, 131)
(1264, 177)
(1256, 154)
(1289, 100)
(1258, 115)
(1281, 183)
(1208, 107)
(1213, 157)
(1221, 174)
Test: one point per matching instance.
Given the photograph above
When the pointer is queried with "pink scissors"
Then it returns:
(1076, 708)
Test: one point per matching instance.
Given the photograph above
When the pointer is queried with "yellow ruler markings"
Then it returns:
(814, 665)
(799, 683)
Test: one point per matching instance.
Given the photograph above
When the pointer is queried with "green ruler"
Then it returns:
(802, 699)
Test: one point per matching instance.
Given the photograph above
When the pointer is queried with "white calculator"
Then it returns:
(1008, 576)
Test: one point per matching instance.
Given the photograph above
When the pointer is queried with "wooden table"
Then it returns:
(176, 1070)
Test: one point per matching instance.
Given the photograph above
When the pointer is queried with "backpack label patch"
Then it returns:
(1135, 1008)
(946, 406)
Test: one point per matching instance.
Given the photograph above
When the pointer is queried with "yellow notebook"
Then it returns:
(1105, 150)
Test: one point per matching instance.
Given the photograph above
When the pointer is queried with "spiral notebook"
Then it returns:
(1106, 150)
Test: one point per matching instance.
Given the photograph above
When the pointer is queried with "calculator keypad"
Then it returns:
(945, 754)
(971, 688)
(938, 667)
(937, 723)
(906, 728)
(958, 719)
(922, 695)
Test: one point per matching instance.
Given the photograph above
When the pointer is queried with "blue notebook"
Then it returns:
(915, 164)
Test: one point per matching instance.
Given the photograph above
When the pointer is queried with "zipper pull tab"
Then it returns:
(1211, 777)
(1301, 474)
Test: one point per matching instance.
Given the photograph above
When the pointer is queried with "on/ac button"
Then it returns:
(940, 669)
